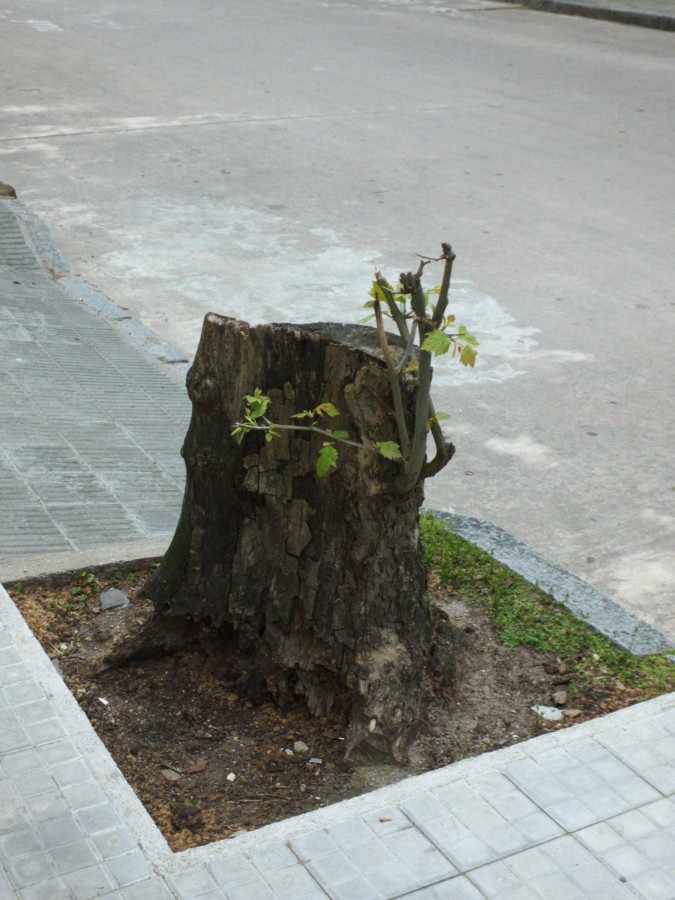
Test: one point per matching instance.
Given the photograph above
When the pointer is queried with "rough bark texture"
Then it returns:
(321, 580)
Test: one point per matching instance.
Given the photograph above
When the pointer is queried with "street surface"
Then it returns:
(258, 159)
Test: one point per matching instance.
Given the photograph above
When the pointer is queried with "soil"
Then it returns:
(207, 763)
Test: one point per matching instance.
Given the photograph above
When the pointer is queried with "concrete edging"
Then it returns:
(605, 13)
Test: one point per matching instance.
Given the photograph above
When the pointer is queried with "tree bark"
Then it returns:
(321, 581)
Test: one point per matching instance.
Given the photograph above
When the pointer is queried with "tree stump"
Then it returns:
(319, 581)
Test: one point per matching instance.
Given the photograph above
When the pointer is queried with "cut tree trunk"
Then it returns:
(319, 581)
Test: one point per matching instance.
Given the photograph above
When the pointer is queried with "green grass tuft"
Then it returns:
(526, 616)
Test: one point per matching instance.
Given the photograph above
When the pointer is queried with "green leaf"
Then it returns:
(377, 293)
(436, 342)
(442, 417)
(305, 414)
(258, 404)
(389, 449)
(466, 336)
(326, 409)
(340, 435)
(327, 460)
(468, 356)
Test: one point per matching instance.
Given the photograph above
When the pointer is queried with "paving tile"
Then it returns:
(459, 888)
(34, 783)
(61, 830)
(59, 751)
(114, 843)
(30, 869)
(332, 869)
(88, 883)
(81, 797)
(23, 692)
(151, 889)
(233, 869)
(71, 773)
(287, 884)
(13, 739)
(272, 857)
(55, 889)
(312, 844)
(45, 806)
(45, 732)
(246, 890)
(12, 817)
(19, 843)
(72, 857)
(661, 812)
(130, 868)
(193, 882)
(21, 763)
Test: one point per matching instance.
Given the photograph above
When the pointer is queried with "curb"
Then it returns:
(622, 627)
(655, 21)
(40, 240)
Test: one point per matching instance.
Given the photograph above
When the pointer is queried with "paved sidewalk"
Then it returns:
(91, 426)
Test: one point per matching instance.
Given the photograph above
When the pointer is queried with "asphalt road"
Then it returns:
(257, 159)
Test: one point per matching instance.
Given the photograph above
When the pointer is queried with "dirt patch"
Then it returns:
(207, 764)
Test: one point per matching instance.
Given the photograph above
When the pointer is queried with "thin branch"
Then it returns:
(441, 306)
(436, 431)
(439, 461)
(402, 428)
(275, 426)
(419, 440)
(405, 359)
(392, 305)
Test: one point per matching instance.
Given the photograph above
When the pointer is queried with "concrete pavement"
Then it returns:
(91, 428)
(92, 422)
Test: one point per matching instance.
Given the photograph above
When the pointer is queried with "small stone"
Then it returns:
(113, 597)
(231, 777)
(571, 713)
(560, 698)
(547, 713)
(315, 761)
(170, 774)
(288, 752)
(300, 747)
